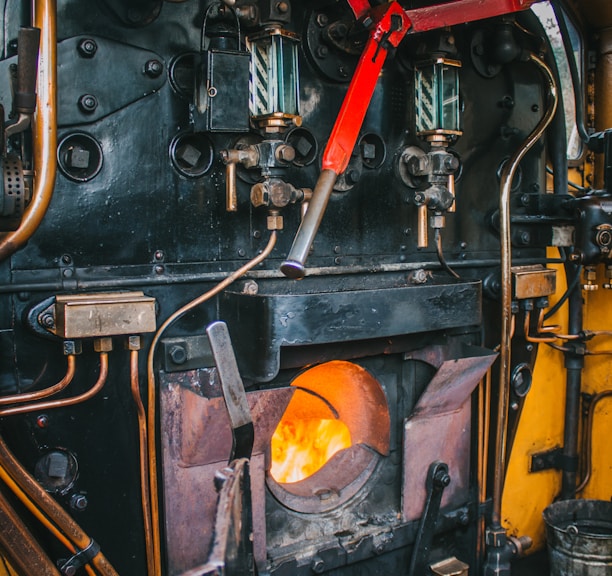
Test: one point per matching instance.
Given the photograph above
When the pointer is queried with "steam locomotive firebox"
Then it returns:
(300, 213)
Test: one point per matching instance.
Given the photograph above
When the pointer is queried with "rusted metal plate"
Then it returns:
(439, 429)
(203, 430)
(196, 442)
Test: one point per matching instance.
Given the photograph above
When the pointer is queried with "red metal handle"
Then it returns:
(391, 25)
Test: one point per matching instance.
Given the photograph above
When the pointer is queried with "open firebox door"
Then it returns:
(359, 491)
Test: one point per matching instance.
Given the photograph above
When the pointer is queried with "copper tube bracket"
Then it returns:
(80, 559)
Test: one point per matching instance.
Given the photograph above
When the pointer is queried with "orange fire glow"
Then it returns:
(300, 447)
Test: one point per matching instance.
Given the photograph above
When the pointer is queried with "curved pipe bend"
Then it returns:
(45, 130)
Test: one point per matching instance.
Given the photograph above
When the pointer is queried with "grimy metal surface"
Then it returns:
(139, 203)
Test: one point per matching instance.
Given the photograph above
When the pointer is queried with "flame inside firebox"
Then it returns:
(301, 446)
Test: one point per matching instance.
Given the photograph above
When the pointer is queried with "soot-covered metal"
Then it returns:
(177, 165)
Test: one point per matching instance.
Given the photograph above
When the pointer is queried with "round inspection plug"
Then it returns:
(79, 156)
(191, 154)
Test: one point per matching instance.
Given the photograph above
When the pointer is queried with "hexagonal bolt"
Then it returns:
(282, 7)
(104, 344)
(88, 103)
(47, 321)
(79, 502)
(153, 68)
(418, 165)
(87, 48)
(134, 343)
(317, 565)
(451, 163)
(72, 347)
(275, 221)
(178, 354)
(285, 153)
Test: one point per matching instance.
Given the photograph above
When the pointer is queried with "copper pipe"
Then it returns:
(484, 422)
(45, 131)
(589, 437)
(151, 396)
(422, 226)
(506, 281)
(144, 462)
(10, 463)
(541, 329)
(46, 504)
(31, 396)
(64, 401)
(529, 338)
(19, 544)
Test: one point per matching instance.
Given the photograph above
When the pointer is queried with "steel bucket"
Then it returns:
(579, 534)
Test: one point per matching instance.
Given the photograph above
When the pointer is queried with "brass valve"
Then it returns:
(607, 285)
(248, 157)
(590, 279)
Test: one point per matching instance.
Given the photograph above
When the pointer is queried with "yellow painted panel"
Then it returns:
(540, 429)
(597, 378)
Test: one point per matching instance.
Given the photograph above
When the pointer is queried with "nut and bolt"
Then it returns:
(47, 320)
(282, 7)
(317, 565)
(78, 502)
(158, 255)
(159, 269)
(104, 344)
(178, 355)
(88, 103)
(153, 68)
(451, 163)
(322, 52)
(72, 347)
(322, 20)
(42, 421)
(87, 48)
(285, 153)
(134, 343)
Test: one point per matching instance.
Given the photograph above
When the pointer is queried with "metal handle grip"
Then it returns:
(28, 44)
(293, 267)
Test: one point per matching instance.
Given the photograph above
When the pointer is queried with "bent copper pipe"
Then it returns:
(144, 463)
(64, 402)
(22, 549)
(151, 391)
(45, 131)
(501, 432)
(32, 396)
(48, 506)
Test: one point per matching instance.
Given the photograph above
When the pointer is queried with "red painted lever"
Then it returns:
(390, 24)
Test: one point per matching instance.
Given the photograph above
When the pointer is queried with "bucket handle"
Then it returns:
(572, 530)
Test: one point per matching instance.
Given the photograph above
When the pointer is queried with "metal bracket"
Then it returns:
(437, 480)
(549, 460)
(70, 566)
